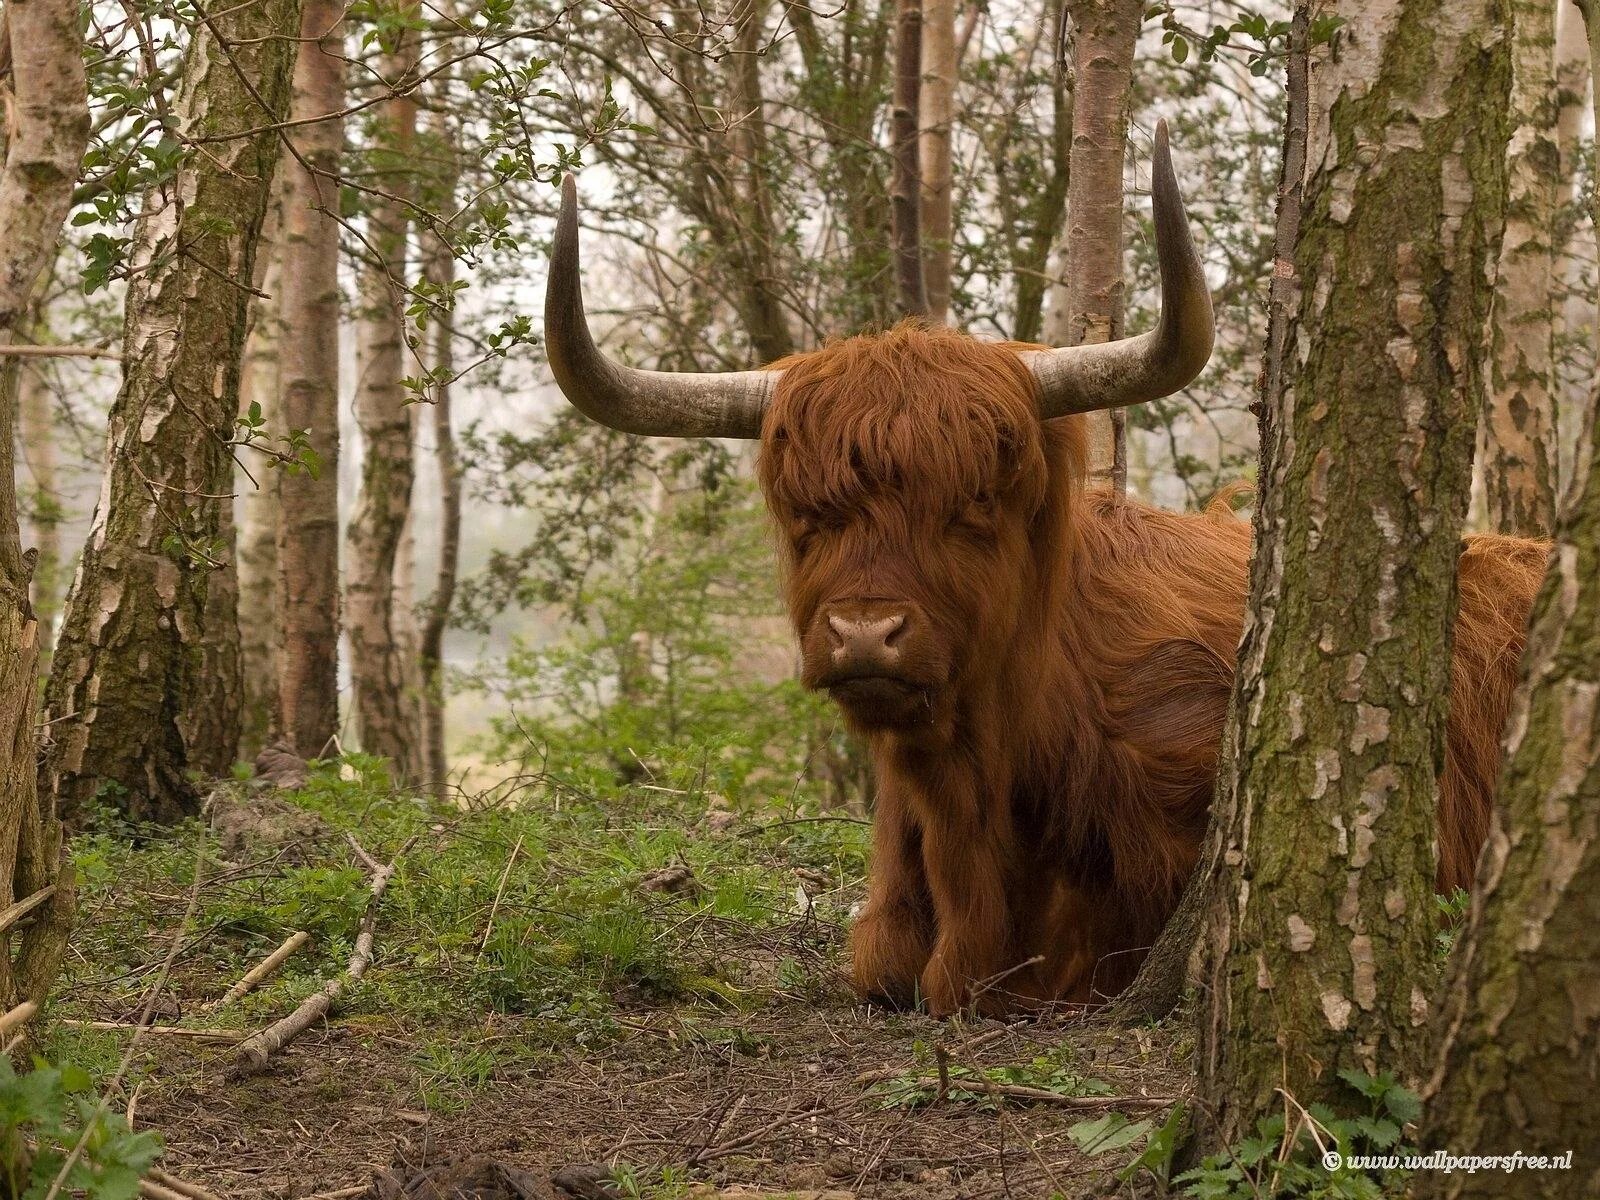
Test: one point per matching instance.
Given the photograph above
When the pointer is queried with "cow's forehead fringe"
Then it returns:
(933, 415)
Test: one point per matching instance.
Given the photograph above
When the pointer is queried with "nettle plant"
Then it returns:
(56, 1134)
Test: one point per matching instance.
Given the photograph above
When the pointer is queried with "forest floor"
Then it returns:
(642, 990)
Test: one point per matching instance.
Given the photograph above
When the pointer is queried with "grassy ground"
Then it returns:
(647, 981)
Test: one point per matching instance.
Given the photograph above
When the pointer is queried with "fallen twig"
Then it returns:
(256, 1051)
(733, 1145)
(498, 893)
(210, 1035)
(254, 977)
(13, 913)
(182, 1186)
(18, 1016)
(981, 1085)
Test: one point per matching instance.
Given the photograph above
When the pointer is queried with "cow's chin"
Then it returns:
(882, 702)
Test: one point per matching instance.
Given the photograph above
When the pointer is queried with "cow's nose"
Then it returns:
(866, 639)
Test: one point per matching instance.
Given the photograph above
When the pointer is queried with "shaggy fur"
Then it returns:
(1046, 748)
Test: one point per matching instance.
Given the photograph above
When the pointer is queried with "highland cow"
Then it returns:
(1041, 671)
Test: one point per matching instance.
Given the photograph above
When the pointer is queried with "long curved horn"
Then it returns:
(1155, 364)
(654, 403)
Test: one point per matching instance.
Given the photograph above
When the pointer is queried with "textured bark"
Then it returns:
(308, 366)
(905, 186)
(1106, 32)
(385, 707)
(745, 176)
(36, 420)
(439, 267)
(938, 110)
(1176, 959)
(1321, 925)
(258, 514)
(1519, 1028)
(1519, 423)
(140, 694)
(47, 129)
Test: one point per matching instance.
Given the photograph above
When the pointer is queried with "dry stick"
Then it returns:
(182, 1186)
(210, 1035)
(1017, 1091)
(499, 892)
(15, 912)
(58, 352)
(254, 1053)
(18, 1016)
(254, 977)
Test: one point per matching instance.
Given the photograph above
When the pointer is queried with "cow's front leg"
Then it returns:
(893, 937)
(969, 865)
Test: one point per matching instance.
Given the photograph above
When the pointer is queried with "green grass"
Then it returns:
(574, 944)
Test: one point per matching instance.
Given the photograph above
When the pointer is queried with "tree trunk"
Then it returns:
(1321, 926)
(140, 695)
(905, 187)
(1106, 33)
(1519, 462)
(1519, 1030)
(1577, 247)
(938, 112)
(1176, 959)
(308, 500)
(37, 425)
(258, 513)
(385, 708)
(439, 268)
(47, 129)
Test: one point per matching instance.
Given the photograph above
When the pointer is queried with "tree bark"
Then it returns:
(1093, 302)
(1175, 961)
(937, 117)
(386, 711)
(439, 268)
(258, 513)
(1321, 925)
(1518, 1033)
(140, 695)
(1519, 449)
(905, 186)
(48, 128)
(37, 425)
(308, 500)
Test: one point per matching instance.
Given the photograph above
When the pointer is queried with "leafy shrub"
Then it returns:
(44, 1114)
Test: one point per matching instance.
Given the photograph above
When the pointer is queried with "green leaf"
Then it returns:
(1109, 1132)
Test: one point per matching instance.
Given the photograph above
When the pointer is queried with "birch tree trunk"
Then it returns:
(439, 268)
(905, 186)
(1519, 461)
(308, 365)
(140, 696)
(386, 711)
(259, 515)
(37, 425)
(1518, 1034)
(47, 130)
(1519, 1029)
(1578, 310)
(1321, 923)
(1090, 308)
(938, 111)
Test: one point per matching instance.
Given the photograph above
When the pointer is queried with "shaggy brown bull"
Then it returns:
(1042, 673)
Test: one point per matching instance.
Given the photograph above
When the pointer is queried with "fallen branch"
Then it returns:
(256, 1051)
(18, 1016)
(1017, 1091)
(210, 1035)
(257, 974)
(58, 352)
(13, 913)
(191, 1191)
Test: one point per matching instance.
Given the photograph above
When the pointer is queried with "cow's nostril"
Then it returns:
(839, 629)
(897, 626)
